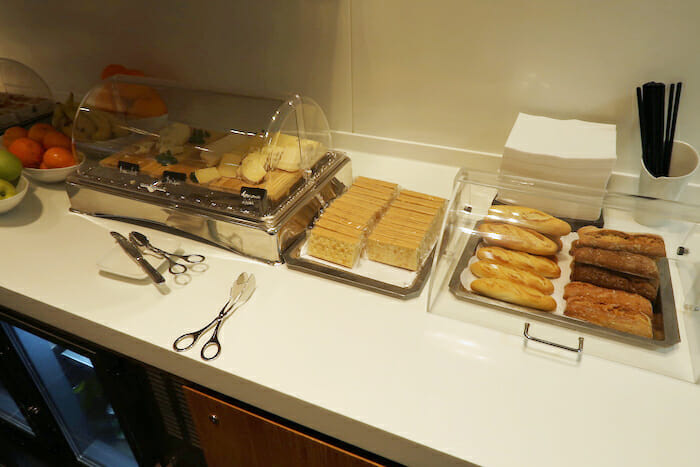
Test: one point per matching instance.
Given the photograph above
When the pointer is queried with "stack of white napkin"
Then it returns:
(578, 154)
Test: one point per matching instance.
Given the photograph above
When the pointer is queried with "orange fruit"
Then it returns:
(112, 69)
(106, 98)
(55, 158)
(27, 150)
(56, 138)
(152, 106)
(12, 134)
(39, 130)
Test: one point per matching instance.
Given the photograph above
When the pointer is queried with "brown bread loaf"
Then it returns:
(643, 244)
(647, 288)
(609, 315)
(630, 263)
(601, 294)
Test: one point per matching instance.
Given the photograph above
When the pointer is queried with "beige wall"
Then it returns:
(449, 72)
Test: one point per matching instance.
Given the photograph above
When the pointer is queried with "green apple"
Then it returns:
(7, 190)
(10, 166)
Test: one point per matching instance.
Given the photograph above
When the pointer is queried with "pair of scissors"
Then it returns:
(241, 290)
(174, 267)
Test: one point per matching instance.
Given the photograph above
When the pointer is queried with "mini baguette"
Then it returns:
(531, 218)
(630, 263)
(517, 259)
(511, 292)
(498, 270)
(517, 238)
(609, 315)
(643, 244)
(601, 294)
(647, 288)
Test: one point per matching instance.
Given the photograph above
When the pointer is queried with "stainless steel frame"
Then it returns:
(264, 238)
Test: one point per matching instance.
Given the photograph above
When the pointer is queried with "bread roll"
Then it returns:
(530, 218)
(630, 263)
(617, 297)
(538, 264)
(517, 238)
(647, 288)
(609, 315)
(512, 292)
(643, 244)
(498, 270)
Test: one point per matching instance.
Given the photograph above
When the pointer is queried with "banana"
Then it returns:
(58, 119)
(104, 128)
(84, 126)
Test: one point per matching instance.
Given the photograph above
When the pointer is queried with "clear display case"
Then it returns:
(586, 272)
(24, 95)
(246, 173)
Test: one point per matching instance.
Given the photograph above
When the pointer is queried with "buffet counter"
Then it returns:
(373, 371)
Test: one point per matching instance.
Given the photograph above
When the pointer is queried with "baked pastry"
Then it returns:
(531, 218)
(511, 292)
(499, 270)
(518, 259)
(609, 315)
(617, 297)
(647, 288)
(397, 249)
(630, 263)
(517, 238)
(334, 246)
(643, 244)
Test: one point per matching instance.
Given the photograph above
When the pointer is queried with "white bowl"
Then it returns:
(50, 175)
(9, 203)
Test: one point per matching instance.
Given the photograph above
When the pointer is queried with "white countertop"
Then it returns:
(376, 372)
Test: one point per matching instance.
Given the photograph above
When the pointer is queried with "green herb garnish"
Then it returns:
(166, 158)
(198, 136)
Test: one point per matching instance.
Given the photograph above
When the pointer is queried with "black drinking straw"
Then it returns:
(642, 128)
(669, 151)
(669, 107)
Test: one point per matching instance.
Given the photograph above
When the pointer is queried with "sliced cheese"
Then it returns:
(205, 176)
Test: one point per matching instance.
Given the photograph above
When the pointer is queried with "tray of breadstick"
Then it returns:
(575, 273)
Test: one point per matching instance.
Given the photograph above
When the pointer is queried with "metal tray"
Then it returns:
(294, 260)
(665, 330)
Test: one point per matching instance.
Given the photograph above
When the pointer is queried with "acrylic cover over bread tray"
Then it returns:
(245, 173)
(24, 95)
(635, 308)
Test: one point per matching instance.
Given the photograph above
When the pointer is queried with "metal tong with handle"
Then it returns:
(174, 267)
(241, 290)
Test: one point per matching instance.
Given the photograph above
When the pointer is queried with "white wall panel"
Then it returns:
(257, 46)
(457, 72)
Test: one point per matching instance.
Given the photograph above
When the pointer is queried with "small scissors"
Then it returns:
(175, 267)
(241, 290)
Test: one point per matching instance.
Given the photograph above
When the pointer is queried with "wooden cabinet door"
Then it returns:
(231, 436)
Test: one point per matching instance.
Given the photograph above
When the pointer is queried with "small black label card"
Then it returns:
(174, 177)
(254, 199)
(128, 167)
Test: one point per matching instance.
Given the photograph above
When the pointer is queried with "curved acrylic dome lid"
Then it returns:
(17, 78)
(291, 133)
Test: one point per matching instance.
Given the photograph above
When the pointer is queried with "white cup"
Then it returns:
(684, 163)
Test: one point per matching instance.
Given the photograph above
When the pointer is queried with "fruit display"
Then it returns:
(10, 171)
(96, 125)
(42, 146)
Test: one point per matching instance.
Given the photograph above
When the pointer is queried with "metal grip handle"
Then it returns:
(554, 344)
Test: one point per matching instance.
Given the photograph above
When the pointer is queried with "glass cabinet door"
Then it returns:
(69, 384)
(10, 411)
